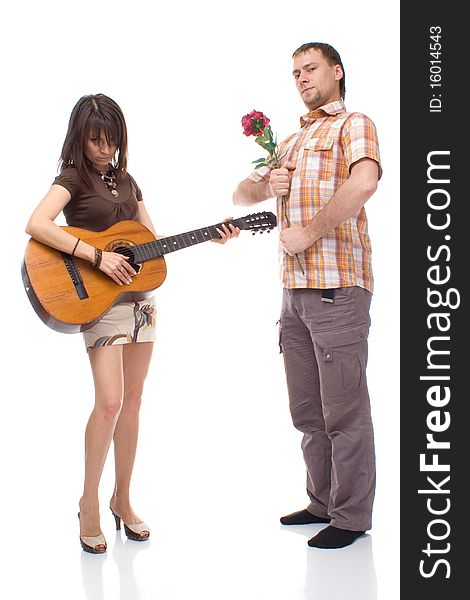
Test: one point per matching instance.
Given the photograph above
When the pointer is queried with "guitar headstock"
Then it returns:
(263, 221)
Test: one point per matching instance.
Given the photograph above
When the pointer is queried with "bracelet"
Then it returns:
(75, 247)
(98, 257)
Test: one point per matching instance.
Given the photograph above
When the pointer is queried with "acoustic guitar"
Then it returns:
(69, 295)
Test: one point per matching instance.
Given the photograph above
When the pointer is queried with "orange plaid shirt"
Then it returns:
(329, 142)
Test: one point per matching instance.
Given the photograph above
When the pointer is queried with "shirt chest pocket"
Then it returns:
(317, 161)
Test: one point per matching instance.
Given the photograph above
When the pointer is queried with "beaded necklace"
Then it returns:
(109, 179)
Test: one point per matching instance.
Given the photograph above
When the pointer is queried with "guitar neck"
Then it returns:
(156, 248)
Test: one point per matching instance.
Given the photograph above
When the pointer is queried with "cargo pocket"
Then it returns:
(278, 323)
(342, 364)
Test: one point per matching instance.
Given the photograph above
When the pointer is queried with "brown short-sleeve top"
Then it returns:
(93, 207)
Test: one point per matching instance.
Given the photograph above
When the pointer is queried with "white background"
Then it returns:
(218, 459)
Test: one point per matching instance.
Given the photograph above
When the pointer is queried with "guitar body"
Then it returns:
(53, 293)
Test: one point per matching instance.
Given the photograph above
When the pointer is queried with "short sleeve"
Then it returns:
(359, 140)
(136, 189)
(260, 174)
(69, 179)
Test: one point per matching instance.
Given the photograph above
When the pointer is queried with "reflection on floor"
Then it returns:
(133, 571)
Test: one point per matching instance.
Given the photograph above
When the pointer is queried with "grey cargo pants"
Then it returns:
(324, 346)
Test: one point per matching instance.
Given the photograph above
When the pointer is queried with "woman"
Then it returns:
(95, 191)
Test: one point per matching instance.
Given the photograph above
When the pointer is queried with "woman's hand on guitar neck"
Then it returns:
(117, 267)
(226, 233)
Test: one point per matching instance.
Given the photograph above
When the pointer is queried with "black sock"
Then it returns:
(302, 517)
(332, 537)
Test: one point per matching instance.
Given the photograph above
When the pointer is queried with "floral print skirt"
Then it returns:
(124, 323)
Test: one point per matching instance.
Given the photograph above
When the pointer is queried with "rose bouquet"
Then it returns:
(257, 124)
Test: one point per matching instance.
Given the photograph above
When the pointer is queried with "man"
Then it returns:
(331, 167)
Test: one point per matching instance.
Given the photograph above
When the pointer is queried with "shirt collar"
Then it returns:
(332, 108)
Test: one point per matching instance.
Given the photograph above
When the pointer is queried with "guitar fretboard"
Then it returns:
(156, 248)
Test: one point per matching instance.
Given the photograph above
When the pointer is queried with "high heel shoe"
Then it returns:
(138, 532)
(95, 544)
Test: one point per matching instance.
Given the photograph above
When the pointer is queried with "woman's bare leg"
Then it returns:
(107, 369)
(136, 360)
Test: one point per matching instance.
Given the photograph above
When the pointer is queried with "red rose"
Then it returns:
(254, 123)
(247, 125)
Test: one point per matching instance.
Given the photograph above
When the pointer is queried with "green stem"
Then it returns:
(284, 206)
(278, 165)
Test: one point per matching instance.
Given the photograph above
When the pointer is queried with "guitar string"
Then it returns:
(185, 240)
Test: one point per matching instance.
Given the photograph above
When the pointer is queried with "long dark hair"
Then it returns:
(331, 56)
(94, 114)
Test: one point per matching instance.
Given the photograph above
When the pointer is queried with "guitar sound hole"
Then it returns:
(127, 251)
